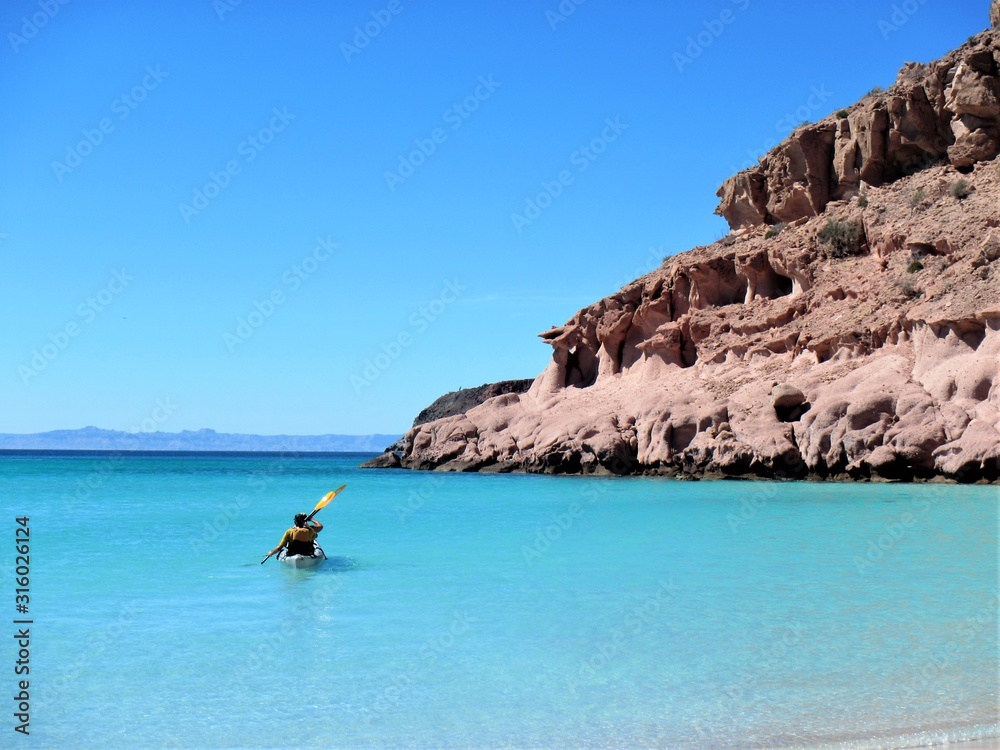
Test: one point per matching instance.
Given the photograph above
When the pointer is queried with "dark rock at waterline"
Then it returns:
(388, 460)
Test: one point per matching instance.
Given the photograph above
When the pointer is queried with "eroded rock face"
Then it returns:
(768, 356)
(948, 111)
(781, 354)
(798, 174)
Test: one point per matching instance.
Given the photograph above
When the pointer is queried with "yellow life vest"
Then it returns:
(301, 534)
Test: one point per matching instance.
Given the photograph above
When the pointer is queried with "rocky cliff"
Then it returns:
(849, 327)
(946, 111)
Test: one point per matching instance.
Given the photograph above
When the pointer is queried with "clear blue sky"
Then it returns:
(290, 127)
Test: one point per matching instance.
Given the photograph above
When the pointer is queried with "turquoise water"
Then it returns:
(496, 611)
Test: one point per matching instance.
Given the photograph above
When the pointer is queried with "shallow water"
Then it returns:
(498, 611)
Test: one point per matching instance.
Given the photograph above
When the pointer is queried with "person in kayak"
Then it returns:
(299, 540)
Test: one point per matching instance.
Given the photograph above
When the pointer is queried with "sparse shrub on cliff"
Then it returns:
(961, 190)
(842, 114)
(863, 199)
(908, 287)
(844, 238)
(918, 197)
(774, 231)
(915, 266)
(875, 91)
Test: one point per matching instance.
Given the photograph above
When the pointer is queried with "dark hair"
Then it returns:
(300, 519)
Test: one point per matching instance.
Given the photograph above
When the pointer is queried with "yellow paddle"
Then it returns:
(327, 499)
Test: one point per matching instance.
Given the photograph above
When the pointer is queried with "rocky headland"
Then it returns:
(448, 405)
(460, 401)
(848, 327)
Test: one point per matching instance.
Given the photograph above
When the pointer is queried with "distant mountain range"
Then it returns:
(94, 438)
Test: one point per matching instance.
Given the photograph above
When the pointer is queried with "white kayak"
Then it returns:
(302, 561)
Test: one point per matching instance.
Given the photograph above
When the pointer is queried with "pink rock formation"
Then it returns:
(780, 355)
(946, 111)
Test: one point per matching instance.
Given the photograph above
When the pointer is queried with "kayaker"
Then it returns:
(299, 539)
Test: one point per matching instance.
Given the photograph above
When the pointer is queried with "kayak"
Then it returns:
(305, 561)
(302, 561)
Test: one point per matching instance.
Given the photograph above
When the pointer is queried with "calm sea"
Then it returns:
(465, 611)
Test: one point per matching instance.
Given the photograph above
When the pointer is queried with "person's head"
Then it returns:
(300, 519)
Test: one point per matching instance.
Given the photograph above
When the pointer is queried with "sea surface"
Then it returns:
(466, 611)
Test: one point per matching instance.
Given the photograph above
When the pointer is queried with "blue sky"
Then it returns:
(317, 217)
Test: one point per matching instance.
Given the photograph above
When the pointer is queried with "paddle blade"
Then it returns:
(328, 498)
